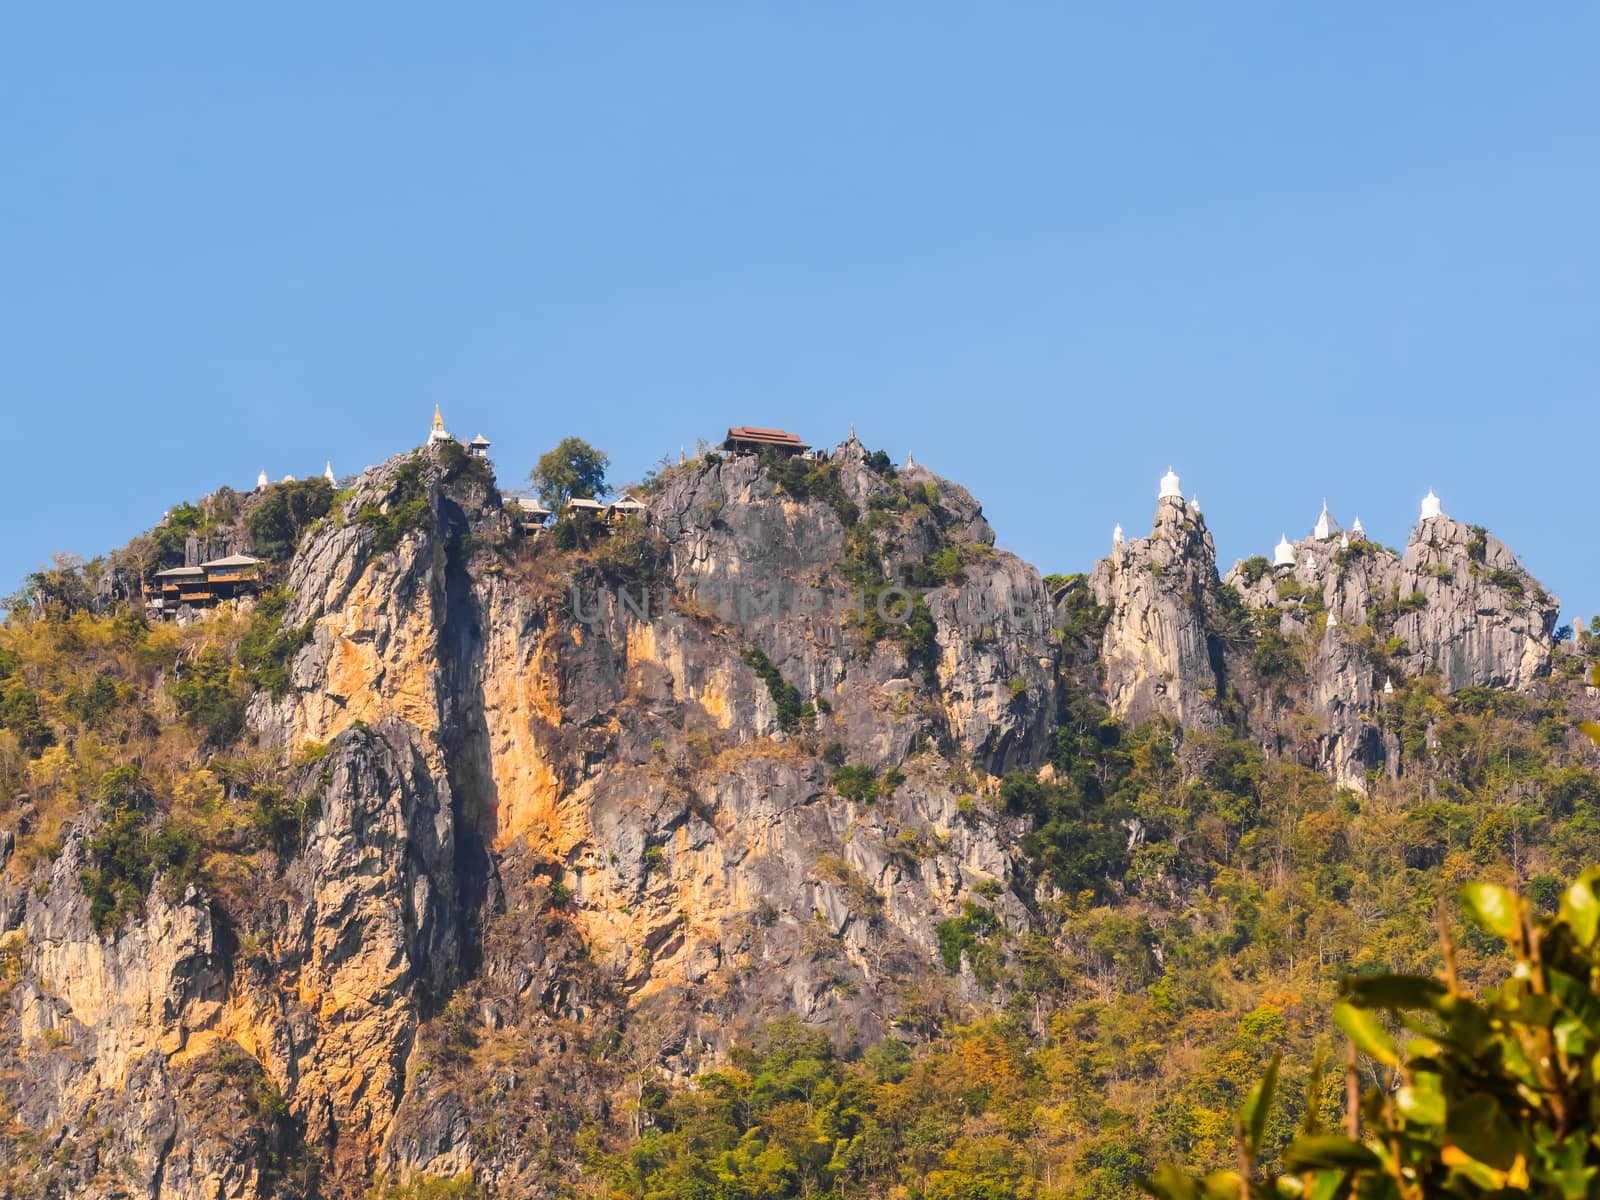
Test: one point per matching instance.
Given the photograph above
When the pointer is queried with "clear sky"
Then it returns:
(1296, 251)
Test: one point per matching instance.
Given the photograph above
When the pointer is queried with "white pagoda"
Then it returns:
(1326, 526)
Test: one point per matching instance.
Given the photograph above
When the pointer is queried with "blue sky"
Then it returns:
(1346, 252)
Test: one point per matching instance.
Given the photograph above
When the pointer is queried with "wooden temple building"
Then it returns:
(204, 586)
(748, 439)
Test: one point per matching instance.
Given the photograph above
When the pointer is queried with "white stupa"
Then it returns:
(288, 479)
(327, 472)
(1344, 541)
(911, 460)
(1311, 562)
(1116, 536)
(1171, 487)
(1326, 526)
(1430, 507)
(261, 479)
(1283, 556)
(1388, 686)
(1194, 502)
(1355, 528)
(438, 433)
(1333, 619)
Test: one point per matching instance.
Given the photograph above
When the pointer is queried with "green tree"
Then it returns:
(574, 469)
(282, 516)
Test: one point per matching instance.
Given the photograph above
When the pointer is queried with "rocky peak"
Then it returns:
(1157, 653)
(1481, 620)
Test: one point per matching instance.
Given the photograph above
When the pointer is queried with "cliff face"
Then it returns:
(576, 815)
(1157, 653)
(509, 751)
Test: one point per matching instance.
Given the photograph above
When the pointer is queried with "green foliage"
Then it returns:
(1274, 655)
(210, 695)
(628, 555)
(94, 702)
(1085, 621)
(856, 782)
(1309, 595)
(1502, 578)
(268, 645)
(275, 818)
(960, 935)
(1496, 1092)
(804, 479)
(22, 712)
(425, 1187)
(791, 707)
(1477, 543)
(1077, 837)
(281, 517)
(125, 855)
(1253, 568)
(572, 470)
(172, 535)
(406, 510)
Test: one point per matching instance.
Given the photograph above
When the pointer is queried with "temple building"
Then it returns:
(437, 432)
(627, 506)
(1326, 525)
(749, 439)
(526, 510)
(1431, 507)
(478, 447)
(204, 586)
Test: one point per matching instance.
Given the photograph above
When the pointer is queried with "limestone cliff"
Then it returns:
(578, 807)
(1157, 653)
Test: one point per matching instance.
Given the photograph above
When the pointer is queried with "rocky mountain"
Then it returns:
(541, 819)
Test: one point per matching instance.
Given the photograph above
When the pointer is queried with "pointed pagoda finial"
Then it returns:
(852, 431)
(438, 418)
(911, 460)
(261, 480)
(682, 457)
(1116, 535)
(1194, 502)
(327, 472)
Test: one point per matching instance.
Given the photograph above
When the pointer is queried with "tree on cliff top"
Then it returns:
(573, 469)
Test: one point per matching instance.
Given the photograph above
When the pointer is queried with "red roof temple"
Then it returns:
(747, 439)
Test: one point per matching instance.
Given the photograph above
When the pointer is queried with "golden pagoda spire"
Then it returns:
(438, 420)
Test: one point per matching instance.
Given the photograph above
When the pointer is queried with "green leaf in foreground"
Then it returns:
(1367, 1032)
